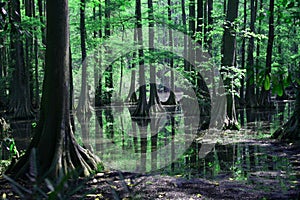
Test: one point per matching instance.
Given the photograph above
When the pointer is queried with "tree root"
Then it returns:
(171, 100)
(68, 156)
(289, 131)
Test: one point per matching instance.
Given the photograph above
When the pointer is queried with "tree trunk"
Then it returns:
(84, 103)
(56, 148)
(83, 110)
(132, 98)
(205, 22)
(154, 102)
(98, 92)
(192, 31)
(172, 98)
(199, 28)
(109, 78)
(209, 41)
(228, 60)
(41, 16)
(209, 24)
(20, 101)
(291, 130)
(257, 62)
(36, 66)
(3, 62)
(185, 52)
(281, 63)
(29, 48)
(250, 87)
(141, 109)
(96, 53)
(265, 98)
(71, 99)
(243, 51)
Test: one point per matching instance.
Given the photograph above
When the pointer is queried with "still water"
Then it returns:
(168, 143)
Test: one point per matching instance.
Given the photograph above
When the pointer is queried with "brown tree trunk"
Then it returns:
(56, 148)
(83, 104)
(42, 16)
(192, 31)
(132, 98)
(154, 102)
(199, 28)
(257, 61)
(209, 24)
(29, 48)
(36, 65)
(250, 87)
(141, 109)
(185, 51)
(228, 60)
(265, 97)
(243, 51)
(3, 61)
(98, 92)
(291, 130)
(83, 110)
(108, 70)
(20, 99)
(172, 98)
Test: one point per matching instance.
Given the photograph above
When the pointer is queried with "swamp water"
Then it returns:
(164, 145)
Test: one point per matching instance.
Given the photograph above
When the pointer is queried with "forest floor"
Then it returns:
(116, 185)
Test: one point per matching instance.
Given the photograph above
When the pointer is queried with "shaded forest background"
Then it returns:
(255, 41)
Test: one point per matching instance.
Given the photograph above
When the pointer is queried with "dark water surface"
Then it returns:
(247, 155)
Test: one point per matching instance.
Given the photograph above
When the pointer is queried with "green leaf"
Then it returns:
(278, 89)
(267, 83)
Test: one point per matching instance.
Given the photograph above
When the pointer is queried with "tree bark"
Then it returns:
(42, 16)
(56, 148)
(20, 99)
(243, 51)
(257, 61)
(98, 92)
(192, 31)
(83, 104)
(209, 24)
(141, 109)
(172, 98)
(199, 28)
(185, 52)
(265, 98)
(250, 87)
(109, 78)
(291, 130)
(154, 102)
(228, 60)
(36, 66)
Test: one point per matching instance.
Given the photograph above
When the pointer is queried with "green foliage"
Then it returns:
(232, 79)
(3, 165)
(8, 147)
(267, 82)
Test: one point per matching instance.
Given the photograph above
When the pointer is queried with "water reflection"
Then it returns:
(152, 145)
(138, 144)
(256, 163)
